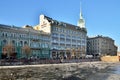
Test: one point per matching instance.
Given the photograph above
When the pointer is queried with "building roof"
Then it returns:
(100, 36)
(67, 25)
(26, 28)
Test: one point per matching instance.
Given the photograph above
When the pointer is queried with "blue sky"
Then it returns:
(102, 16)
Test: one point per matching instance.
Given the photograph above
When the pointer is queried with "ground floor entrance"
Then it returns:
(67, 54)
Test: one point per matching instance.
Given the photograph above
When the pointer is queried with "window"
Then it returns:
(68, 37)
(56, 29)
(4, 42)
(2, 34)
(6, 35)
(73, 37)
(55, 35)
(62, 30)
(53, 28)
(13, 42)
(62, 35)
(25, 43)
(21, 43)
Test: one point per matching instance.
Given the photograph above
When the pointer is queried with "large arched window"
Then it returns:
(25, 43)
(4, 42)
(21, 43)
(3, 34)
(6, 35)
(13, 42)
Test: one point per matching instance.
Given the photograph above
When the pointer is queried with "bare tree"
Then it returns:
(78, 52)
(73, 53)
(9, 48)
(68, 53)
(83, 52)
(26, 50)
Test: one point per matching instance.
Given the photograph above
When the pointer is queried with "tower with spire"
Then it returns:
(81, 22)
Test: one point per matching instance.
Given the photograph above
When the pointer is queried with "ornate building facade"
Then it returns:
(17, 38)
(67, 40)
(101, 45)
(49, 39)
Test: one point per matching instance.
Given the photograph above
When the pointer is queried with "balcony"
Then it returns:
(62, 42)
(54, 41)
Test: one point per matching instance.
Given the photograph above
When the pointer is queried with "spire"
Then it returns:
(81, 11)
(81, 21)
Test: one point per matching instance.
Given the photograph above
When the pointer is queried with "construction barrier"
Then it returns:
(110, 58)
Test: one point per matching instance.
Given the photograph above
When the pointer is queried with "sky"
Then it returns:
(102, 16)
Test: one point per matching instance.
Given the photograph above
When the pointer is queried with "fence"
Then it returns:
(14, 62)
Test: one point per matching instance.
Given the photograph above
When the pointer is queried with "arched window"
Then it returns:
(13, 42)
(25, 43)
(21, 43)
(11, 34)
(4, 42)
(2, 34)
(6, 35)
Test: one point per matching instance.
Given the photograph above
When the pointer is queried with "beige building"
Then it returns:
(66, 39)
(101, 45)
